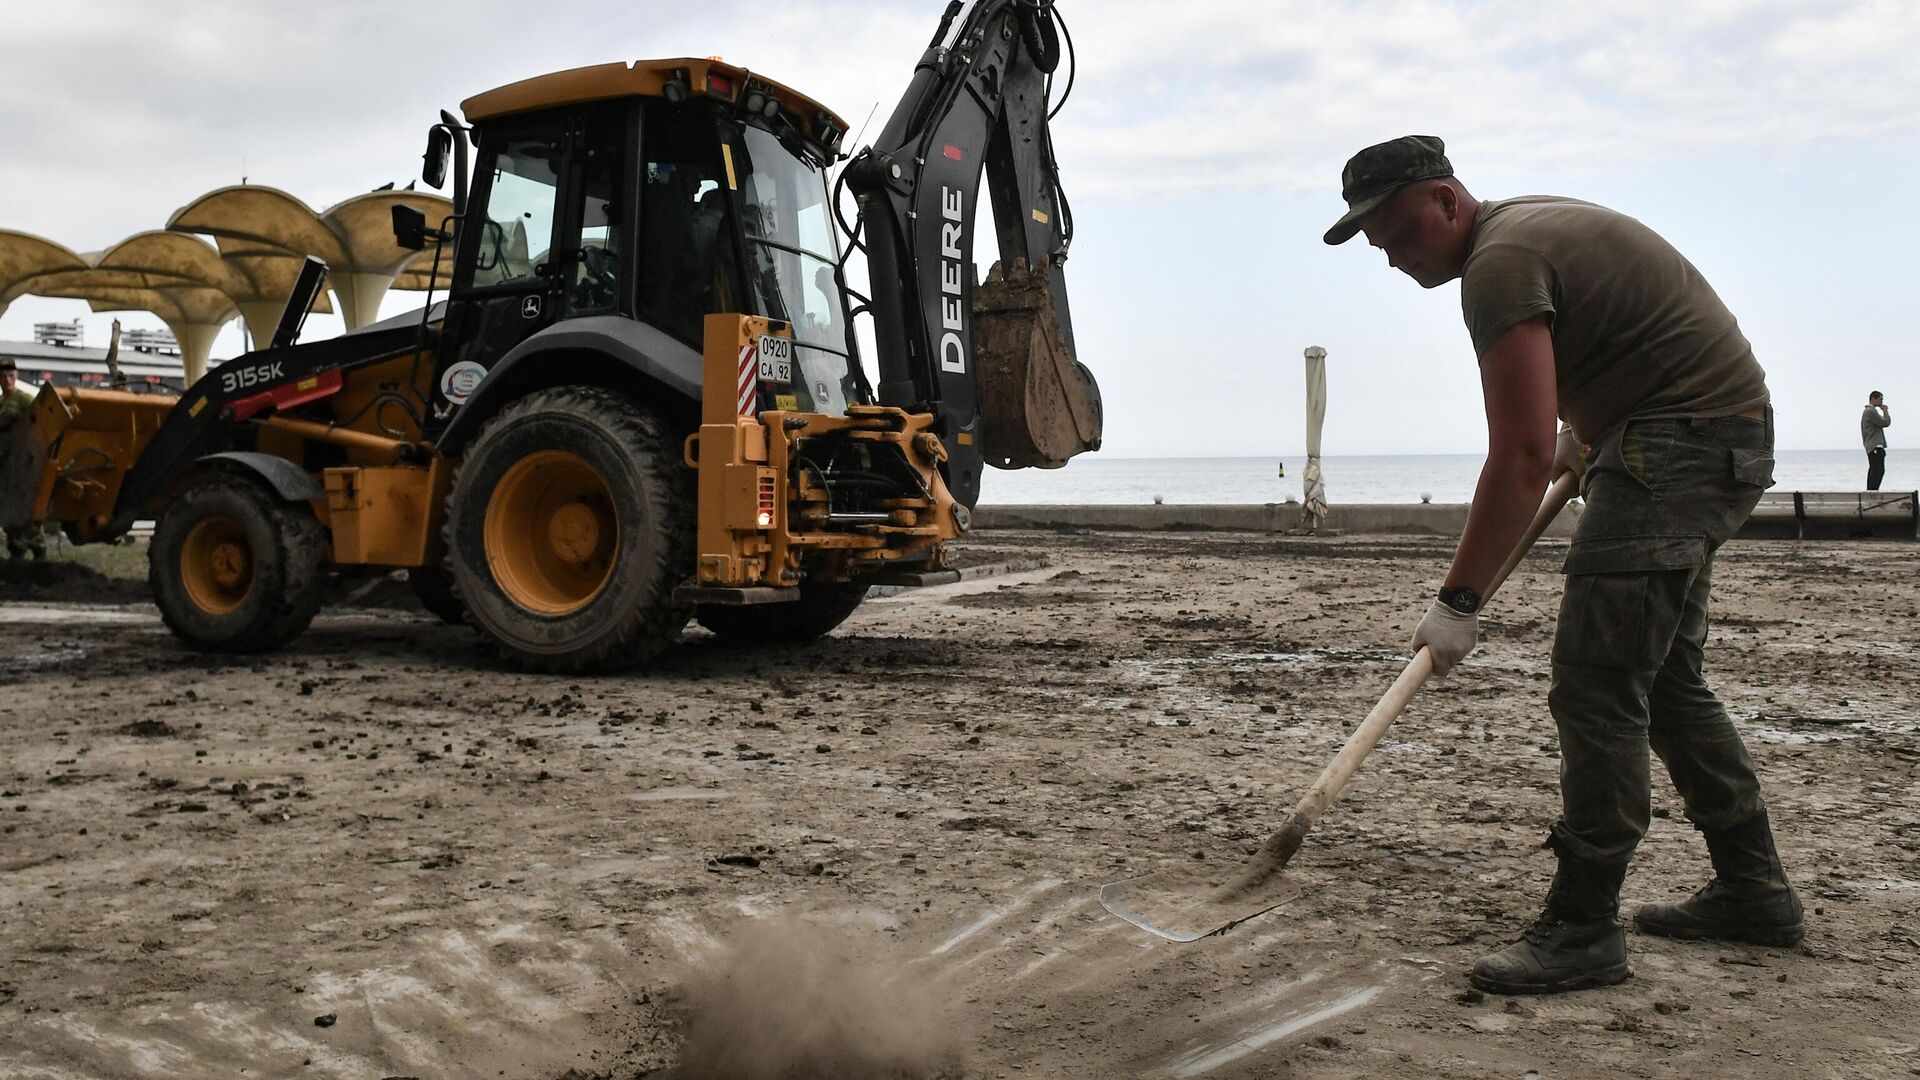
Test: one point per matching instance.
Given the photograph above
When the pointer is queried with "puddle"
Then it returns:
(681, 794)
(76, 613)
(1288, 659)
(1887, 885)
(1817, 732)
(34, 660)
(979, 582)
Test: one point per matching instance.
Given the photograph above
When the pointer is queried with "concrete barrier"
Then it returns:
(1412, 519)
(1806, 515)
(1834, 515)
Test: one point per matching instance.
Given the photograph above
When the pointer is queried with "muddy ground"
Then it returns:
(379, 853)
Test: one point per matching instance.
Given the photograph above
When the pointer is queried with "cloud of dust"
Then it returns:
(786, 1001)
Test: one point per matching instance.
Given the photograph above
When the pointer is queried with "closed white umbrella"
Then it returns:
(1315, 510)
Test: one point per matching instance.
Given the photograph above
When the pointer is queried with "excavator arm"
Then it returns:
(994, 363)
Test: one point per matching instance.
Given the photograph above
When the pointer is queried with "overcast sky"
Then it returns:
(1773, 141)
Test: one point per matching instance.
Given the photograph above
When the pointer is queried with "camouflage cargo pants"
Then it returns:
(1662, 496)
(18, 476)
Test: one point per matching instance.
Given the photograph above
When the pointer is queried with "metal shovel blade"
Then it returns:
(1186, 906)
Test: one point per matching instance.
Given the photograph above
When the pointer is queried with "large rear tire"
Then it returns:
(233, 568)
(821, 607)
(570, 522)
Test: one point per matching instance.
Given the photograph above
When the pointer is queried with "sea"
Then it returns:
(1411, 478)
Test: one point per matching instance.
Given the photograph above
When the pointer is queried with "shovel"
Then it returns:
(1189, 905)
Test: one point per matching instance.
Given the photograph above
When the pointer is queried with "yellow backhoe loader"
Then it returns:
(641, 401)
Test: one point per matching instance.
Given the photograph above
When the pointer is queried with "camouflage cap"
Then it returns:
(1374, 174)
(7, 364)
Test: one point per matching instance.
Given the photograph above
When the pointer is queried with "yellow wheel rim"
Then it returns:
(551, 533)
(216, 565)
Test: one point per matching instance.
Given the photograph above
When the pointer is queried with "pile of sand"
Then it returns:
(788, 1001)
(50, 581)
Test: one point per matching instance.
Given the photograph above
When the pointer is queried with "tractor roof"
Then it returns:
(644, 78)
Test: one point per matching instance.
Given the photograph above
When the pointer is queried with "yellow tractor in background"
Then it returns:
(641, 401)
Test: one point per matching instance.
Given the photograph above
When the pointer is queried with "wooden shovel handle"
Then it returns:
(1281, 846)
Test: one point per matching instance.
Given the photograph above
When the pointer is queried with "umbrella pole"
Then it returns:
(1313, 505)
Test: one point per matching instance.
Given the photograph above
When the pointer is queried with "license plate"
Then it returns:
(776, 359)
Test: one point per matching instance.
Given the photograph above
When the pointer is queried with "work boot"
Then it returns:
(1747, 900)
(1576, 942)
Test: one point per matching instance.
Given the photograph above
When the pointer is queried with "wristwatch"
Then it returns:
(1461, 598)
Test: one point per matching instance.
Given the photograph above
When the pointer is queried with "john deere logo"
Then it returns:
(530, 307)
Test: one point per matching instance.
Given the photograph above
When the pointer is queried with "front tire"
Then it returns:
(570, 522)
(821, 607)
(233, 568)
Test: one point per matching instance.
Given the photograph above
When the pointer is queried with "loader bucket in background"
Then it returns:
(84, 441)
(1038, 405)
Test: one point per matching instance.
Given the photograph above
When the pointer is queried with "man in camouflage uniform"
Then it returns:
(1582, 312)
(16, 410)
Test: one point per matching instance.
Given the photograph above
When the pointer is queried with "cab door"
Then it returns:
(508, 279)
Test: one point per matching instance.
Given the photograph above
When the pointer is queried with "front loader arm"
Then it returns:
(997, 370)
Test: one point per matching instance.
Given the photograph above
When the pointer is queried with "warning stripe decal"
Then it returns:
(748, 385)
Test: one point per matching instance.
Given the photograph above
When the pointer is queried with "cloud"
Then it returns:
(1235, 95)
(1187, 120)
(115, 114)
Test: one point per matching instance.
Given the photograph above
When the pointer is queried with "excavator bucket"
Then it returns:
(1038, 405)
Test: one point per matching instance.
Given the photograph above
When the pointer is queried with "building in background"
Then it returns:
(149, 359)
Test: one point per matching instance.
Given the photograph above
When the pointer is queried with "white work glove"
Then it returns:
(1569, 455)
(1449, 635)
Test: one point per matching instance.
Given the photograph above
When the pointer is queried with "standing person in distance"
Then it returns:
(1874, 423)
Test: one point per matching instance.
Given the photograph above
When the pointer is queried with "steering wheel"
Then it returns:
(493, 247)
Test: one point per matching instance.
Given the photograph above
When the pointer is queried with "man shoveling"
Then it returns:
(1581, 312)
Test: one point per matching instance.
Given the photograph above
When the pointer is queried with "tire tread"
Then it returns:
(655, 623)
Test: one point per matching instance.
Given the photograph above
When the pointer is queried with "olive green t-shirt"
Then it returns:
(17, 404)
(1637, 332)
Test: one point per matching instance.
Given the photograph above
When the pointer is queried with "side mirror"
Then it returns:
(434, 162)
(409, 227)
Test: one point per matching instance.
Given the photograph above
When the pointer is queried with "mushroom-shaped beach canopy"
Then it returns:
(24, 256)
(354, 236)
(272, 272)
(419, 276)
(256, 281)
(366, 221)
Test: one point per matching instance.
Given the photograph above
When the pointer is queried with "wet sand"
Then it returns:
(380, 853)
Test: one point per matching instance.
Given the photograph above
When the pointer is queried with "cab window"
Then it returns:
(596, 249)
(516, 233)
(688, 265)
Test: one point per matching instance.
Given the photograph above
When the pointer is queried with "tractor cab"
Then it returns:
(652, 194)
